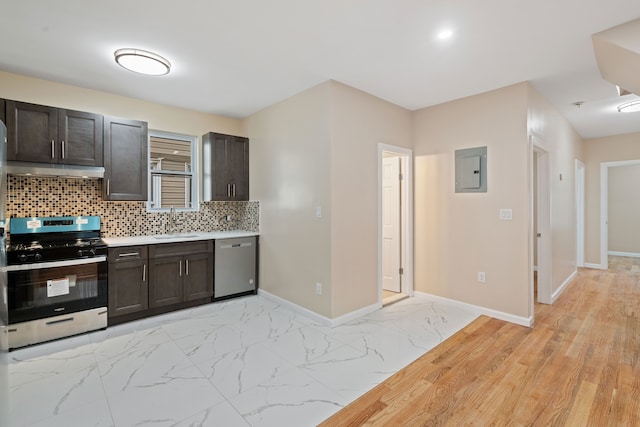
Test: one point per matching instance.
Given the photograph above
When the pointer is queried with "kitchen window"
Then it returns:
(172, 172)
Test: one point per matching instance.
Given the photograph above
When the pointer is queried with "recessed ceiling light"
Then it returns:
(142, 61)
(445, 34)
(629, 107)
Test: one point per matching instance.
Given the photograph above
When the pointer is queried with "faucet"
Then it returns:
(172, 228)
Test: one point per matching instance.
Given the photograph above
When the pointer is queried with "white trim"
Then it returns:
(507, 317)
(628, 254)
(562, 287)
(407, 261)
(596, 266)
(322, 320)
(604, 213)
(580, 211)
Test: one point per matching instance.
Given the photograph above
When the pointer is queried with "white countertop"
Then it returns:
(180, 237)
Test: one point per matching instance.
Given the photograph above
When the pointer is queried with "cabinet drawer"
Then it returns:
(171, 249)
(127, 253)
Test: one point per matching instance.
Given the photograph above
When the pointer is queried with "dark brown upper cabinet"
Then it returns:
(125, 159)
(38, 133)
(2, 111)
(225, 167)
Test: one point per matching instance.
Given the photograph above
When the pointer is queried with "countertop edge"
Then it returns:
(195, 236)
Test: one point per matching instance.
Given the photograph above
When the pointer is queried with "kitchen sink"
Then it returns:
(174, 236)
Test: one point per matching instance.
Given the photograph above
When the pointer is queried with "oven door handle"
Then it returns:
(54, 264)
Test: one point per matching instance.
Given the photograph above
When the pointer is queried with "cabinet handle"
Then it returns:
(144, 272)
(108, 186)
(129, 254)
(228, 190)
(180, 268)
(234, 190)
(63, 149)
(53, 149)
(187, 267)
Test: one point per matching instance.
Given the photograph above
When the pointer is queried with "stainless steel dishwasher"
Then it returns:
(235, 267)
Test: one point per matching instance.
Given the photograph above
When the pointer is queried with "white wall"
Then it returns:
(459, 235)
(359, 122)
(319, 149)
(564, 146)
(290, 174)
(159, 117)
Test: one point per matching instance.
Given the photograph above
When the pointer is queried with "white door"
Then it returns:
(391, 224)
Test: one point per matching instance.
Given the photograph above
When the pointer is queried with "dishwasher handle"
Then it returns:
(235, 245)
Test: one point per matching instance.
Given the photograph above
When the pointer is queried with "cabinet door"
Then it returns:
(166, 280)
(238, 167)
(80, 136)
(198, 278)
(32, 131)
(128, 287)
(217, 186)
(125, 159)
(226, 167)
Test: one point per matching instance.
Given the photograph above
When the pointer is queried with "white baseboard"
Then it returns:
(322, 320)
(596, 266)
(629, 254)
(518, 320)
(556, 294)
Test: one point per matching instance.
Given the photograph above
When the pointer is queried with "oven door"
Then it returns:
(41, 290)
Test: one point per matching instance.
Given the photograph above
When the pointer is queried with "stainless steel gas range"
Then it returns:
(56, 279)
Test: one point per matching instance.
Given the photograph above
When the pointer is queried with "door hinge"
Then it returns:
(400, 177)
(401, 271)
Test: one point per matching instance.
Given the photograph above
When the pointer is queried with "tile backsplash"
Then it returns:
(29, 196)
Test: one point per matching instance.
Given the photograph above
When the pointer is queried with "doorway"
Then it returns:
(540, 232)
(604, 208)
(395, 223)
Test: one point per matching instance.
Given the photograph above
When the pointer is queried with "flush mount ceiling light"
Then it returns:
(142, 61)
(445, 34)
(630, 107)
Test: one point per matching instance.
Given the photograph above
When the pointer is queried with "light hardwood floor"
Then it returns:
(578, 366)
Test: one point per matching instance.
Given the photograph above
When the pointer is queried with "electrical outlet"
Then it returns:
(318, 288)
(227, 217)
(481, 277)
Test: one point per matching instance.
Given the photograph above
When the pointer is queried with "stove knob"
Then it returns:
(92, 252)
(22, 258)
(80, 253)
(38, 257)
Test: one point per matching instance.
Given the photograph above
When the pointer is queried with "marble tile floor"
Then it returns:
(244, 362)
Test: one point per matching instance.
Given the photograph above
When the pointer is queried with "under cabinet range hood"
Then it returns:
(54, 169)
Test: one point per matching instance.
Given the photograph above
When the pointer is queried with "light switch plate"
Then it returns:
(506, 214)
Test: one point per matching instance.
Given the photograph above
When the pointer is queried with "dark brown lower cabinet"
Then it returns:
(180, 272)
(166, 288)
(198, 279)
(154, 279)
(128, 280)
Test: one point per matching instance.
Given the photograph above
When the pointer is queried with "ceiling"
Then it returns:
(236, 57)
